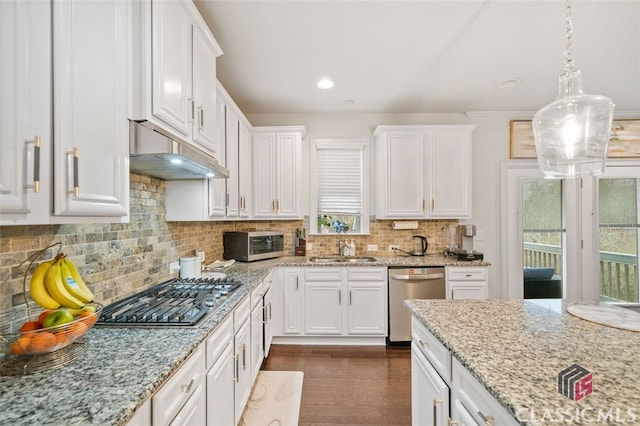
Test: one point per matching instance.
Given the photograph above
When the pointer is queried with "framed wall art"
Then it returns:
(624, 142)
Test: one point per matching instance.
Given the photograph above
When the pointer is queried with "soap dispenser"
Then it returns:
(352, 248)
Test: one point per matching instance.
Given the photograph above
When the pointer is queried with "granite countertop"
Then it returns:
(516, 348)
(123, 367)
(384, 260)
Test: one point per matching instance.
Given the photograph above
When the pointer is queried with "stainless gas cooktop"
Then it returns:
(177, 302)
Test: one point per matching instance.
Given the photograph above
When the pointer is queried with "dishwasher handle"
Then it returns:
(418, 277)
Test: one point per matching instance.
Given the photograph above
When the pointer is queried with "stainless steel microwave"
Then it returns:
(250, 246)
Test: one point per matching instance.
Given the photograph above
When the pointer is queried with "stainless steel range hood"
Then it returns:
(154, 152)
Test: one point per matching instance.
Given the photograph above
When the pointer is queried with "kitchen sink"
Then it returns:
(342, 259)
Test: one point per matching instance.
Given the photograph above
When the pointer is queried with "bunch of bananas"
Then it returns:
(57, 283)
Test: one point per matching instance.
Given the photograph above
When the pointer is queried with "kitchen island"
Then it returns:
(123, 367)
(516, 349)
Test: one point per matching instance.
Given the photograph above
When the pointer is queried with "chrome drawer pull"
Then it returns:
(187, 388)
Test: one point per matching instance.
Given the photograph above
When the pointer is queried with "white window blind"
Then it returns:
(339, 181)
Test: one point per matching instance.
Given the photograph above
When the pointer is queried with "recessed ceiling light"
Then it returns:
(348, 102)
(176, 160)
(509, 83)
(325, 83)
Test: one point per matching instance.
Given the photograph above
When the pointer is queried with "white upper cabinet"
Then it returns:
(423, 171)
(91, 103)
(175, 71)
(171, 67)
(244, 171)
(232, 163)
(25, 112)
(277, 170)
(66, 83)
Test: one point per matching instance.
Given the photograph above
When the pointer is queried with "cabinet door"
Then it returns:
(194, 412)
(292, 302)
(218, 187)
(268, 319)
(91, 87)
(429, 393)
(204, 93)
(172, 61)
(257, 339)
(467, 291)
(244, 171)
(367, 310)
(242, 344)
(323, 308)
(287, 172)
(263, 158)
(450, 173)
(25, 111)
(220, 389)
(403, 176)
(461, 415)
(231, 150)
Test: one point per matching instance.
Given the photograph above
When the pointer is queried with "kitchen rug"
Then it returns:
(274, 400)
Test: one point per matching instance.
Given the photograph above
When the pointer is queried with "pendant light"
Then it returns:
(572, 133)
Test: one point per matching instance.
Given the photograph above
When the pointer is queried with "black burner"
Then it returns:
(178, 302)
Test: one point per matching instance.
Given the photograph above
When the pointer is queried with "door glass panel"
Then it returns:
(618, 239)
(542, 236)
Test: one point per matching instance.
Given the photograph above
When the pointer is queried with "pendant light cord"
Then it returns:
(568, 52)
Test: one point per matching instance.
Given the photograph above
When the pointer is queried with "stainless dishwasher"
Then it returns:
(410, 283)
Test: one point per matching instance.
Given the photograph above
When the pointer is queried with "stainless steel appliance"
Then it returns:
(465, 239)
(410, 283)
(419, 248)
(177, 302)
(250, 246)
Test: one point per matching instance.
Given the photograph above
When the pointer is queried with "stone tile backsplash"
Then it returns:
(119, 259)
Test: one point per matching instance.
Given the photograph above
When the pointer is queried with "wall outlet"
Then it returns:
(174, 267)
(309, 246)
(479, 235)
(372, 247)
(393, 247)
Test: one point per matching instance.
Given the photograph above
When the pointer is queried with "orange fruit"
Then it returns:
(42, 342)
(77, 329)
(89, 318)
(30, 326)
(62, 338)
(43, 315)
(21, 345)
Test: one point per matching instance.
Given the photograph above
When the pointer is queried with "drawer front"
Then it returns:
(256, 294)
(216, 343)
(323, 274)
(241, 313)
(466, 274)
(430, 346)
(179, 388)
(366, 274)
(477, 400)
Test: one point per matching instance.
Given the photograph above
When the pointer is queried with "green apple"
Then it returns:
(57, 317)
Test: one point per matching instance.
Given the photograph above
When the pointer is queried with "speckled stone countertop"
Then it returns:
(123, 367)
(381, 260)
(516, 348)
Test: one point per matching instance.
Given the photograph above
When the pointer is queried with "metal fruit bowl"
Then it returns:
(47, 340)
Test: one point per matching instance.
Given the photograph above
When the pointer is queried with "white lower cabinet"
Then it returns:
(268, 313)
(465, 282)
(242, 357)
(345, 301)
(182, 397)
(220, 375)
(443, 391)
(429, 393)
(257, 330)
(292, 301)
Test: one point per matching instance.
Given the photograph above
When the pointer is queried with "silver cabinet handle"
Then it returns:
(235, 368)
(488, 420)
(201, 118)
(269, 311)
(36, 163)
(297, 283)
(187, 388)
(340, 297)
(244, 357)
(423, 344)
(73, 165)
(451, 422)
(349, 297)
(435, 410)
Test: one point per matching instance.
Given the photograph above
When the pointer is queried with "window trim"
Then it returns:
(363, 143)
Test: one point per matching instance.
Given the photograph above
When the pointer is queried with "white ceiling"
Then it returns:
(420, 56)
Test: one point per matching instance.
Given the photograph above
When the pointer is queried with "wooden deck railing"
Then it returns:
(618, 271)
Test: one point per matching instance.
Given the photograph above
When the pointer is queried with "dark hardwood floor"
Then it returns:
(349, 385)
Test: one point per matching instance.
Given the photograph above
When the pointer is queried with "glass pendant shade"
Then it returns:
(572, 133)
